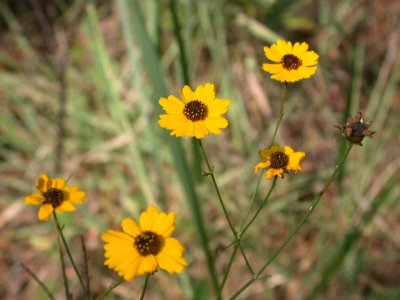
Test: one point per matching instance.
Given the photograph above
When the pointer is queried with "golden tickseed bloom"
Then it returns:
(355, 130)
(140, 249)
(279, 161)
(198, 115)
(292, 63)
(54, 196)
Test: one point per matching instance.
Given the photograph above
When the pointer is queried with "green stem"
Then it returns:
(243, 230)
(303, 221)
(65, 280)
(211, 173)
(280, 114)
(179, 38)
(113, 286)
(145, 286)
(253, 200)
(228, 268)
(70, 257)
(241, 233)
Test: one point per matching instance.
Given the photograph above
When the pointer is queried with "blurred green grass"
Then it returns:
(115, 150)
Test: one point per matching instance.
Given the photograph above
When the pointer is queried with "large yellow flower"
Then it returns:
(54, 196)
(198, 115)
(279, 160)
(140, 249)
(292, 63)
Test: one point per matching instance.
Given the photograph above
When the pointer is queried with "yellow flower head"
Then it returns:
(54, 196)
(279, 160)
(198, 115)
(292, 63)
(140, 249)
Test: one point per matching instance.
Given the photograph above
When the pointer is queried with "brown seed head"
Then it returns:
(355, 129)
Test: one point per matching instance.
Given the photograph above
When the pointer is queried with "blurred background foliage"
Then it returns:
(79, 89)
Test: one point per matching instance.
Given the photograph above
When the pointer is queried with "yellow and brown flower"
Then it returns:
(54, 196)
(279, 161)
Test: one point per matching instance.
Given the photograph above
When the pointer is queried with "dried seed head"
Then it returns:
(355, 129)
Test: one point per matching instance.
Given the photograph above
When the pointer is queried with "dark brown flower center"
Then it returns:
(54, 197)
(357, 129)
(279, 160)
(195, 111)
(149, 243)
(291, 62)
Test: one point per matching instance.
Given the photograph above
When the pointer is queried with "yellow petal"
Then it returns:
(132, 270)
(170, 258)
(266, 153)
(187, 94)
(200, 130)
(148, 218)
(172, 121)
(294, 161)
(45, 212)
(131, 227)
(74, 196)
(310, 58)
(147, 265)
(262, 165)
(205, 93)
(165, 224)
(274, 172)
(307, 72)
(272, 68)
(300, 49)
(172, 105)
(57, 183)
(218, 107)
(64, 207)
(272, 54)
(34, 199)
(42, 185)
(114, 236)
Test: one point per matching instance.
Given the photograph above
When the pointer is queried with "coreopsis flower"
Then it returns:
(279, 161)
(291, 63)
(355, 130)
(197, 115)
(54, 196)
(141, 249)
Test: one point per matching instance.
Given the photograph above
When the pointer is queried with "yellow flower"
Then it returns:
(292, 63)
(198, 115)
(279, 160)
(140, 249)
(54, 196)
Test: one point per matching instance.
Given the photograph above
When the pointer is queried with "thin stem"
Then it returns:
(296, 230)
(38, 281)
(280, 114)
(112, 286)
(228, 268)
(243, 230)
(70, 257)
(85, 264)
(241, 233)
(145, 286)
(211, 173)
(62, 261)
(253, 200)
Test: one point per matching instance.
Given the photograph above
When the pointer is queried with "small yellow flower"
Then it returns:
(279, 160)
(197, 115)
(292, 63)
(54, 196)
(140, 249)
